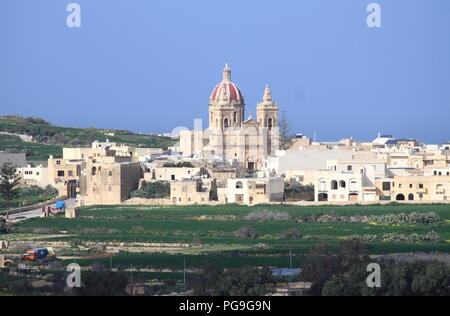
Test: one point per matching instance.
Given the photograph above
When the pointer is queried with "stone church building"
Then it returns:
(231, 137)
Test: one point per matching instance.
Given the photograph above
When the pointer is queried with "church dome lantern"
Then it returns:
(227, 90)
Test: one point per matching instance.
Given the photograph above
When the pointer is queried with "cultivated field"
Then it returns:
(156, 239)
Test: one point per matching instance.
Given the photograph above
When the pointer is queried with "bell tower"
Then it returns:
(267, 111)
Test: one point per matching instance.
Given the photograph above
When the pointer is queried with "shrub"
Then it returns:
(246, 232)
(265, 216)
(153, 190)
(291, 188)
(34, 190)
(292, 233)
(431, 237)
(183, 164)
(414, 218)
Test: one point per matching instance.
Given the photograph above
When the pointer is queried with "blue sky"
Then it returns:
(150, 66)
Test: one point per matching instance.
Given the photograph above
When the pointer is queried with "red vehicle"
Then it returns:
(37, 254)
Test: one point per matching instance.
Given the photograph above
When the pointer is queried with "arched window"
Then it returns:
(94, 171)
(270, 123)
(239, 185)
(400, 197)
(322, 185)
(225, 123)
(342, 184)
(334, 185)
(411, 197)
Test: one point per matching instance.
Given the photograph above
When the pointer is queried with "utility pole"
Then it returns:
(290, 256)
(131, 273)
(184, 272)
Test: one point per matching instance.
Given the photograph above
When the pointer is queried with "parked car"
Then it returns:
(38, 254)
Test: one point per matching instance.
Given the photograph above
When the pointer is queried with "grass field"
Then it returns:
(46, 133)
(35, 152)
(214, 227)
(23, 201)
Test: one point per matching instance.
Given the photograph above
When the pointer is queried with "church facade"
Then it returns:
(231, 137)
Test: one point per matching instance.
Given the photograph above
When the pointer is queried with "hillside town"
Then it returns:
(241, 159)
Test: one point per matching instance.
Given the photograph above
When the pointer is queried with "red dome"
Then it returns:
(229, 89)
(226, 90)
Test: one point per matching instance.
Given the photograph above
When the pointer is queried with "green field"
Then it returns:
(35, 152)
(215, 232)
(51, 139)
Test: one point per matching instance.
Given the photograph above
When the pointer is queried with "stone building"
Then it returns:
(251, 191)
(231, 137)
(171, 174)
(64, 175)
(16, 159)
(414, 188)
(109, 180)
(34, 175)
(190, 192)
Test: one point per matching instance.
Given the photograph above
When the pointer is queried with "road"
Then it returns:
(38, 212)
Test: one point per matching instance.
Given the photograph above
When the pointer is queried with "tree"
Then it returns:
(102, 284)
(4, 228)
(285, 133)
(153, 190)
(9, 182)
(322, 264)
(244, 281)
(417, 278)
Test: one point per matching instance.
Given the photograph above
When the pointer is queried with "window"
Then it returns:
(353, 185)
(410, 186)
(239, 185)
(172, 177)
(386, 186)
(420, 186)
(342, 184)
(60, 173)
(322, 185)
(349, 168)
(109, 188)
(58, 162)
(110, 173)
(70, 173)
(334, 185)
